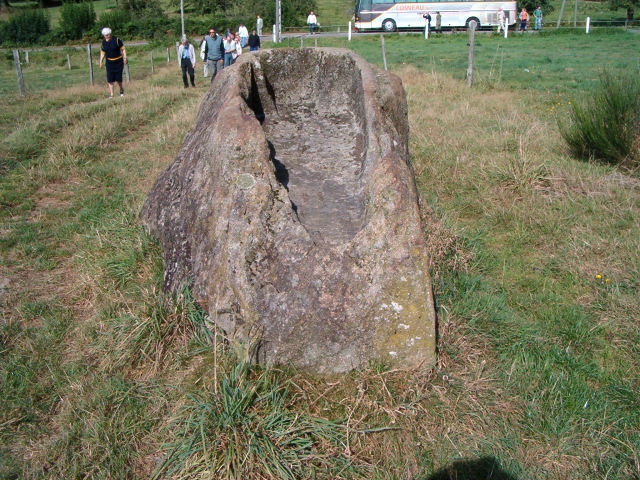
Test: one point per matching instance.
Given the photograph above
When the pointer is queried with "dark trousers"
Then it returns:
(187, 67)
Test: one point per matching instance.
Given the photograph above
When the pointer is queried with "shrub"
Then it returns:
(607, 125)
(76, 19)
(26, 28)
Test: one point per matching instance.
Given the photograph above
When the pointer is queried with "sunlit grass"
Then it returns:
(535, 260)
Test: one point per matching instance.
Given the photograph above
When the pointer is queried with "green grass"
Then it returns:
(535, 266)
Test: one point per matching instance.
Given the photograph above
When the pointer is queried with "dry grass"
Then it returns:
(513, 225)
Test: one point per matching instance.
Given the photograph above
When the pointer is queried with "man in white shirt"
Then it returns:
(244, 35)
(312, 21)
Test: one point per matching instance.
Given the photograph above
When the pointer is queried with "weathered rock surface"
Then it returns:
(292, 211)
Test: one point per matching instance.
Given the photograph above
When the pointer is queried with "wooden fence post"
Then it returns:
(16, 61)
(90, 64)
(472, 36)
(384, 52)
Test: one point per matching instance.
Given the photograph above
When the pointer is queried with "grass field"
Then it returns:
(536, 260)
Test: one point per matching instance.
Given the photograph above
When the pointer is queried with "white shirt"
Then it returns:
(312, 19)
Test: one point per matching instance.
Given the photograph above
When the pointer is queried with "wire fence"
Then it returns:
(29, 71)
(24, 72)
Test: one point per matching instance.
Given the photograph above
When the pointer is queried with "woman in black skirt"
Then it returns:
(114, 53)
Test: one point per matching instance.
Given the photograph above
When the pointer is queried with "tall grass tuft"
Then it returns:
(607, 125)
(247, 428)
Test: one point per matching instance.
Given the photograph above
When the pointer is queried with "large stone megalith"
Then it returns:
(292, 212)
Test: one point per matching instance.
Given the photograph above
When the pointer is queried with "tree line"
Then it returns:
(143, 19)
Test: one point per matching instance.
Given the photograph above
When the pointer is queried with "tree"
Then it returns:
(28, 27)
(531, 5)
(616, 4)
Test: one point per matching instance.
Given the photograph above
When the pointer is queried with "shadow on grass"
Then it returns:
(484, 468)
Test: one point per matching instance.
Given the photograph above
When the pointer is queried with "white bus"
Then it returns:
(389, 16)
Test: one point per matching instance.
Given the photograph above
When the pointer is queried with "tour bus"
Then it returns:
(390, 15)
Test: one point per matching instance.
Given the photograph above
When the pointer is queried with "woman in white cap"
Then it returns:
(114, 53)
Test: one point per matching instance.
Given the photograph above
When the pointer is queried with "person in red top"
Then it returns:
(524, 19)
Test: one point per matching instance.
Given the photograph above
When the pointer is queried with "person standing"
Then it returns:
(254, 41)
(114, 53)
(187, 62)
(524, 19)
(501, 25)
(238, 48)
(537, 15)
(438, 22)
(203, 57)
(427, 18)
(244, 35)
(312, 21)
(229, 44)
(215, 52)
(259, 24)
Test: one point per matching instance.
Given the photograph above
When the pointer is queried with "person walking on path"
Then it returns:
(215, 52)
(524, 19)
(187, 62)
(312, 21)
(259, 24)
(115, 55)
(254, 41)
(537, 14)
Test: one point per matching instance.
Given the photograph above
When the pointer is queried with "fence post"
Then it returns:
(152, 71)
(384, 52)
(26, 56)
(588, 23)
(168, 56)
(16, 61)
(90, 64)
(472, 36)
(561, 12)
(349, 34)
(68, 61)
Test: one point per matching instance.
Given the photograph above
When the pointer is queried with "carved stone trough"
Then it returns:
(292, 212)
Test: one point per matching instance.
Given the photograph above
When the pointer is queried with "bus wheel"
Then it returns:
(471, 19)
(389, 25)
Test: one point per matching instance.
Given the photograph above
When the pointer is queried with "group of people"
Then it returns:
(524, 17)
(216, 52)
(428, 18)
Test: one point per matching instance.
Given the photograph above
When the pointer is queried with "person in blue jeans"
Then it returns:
(254, 41)
(312, 21)
(229, 49)
(537, 14)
